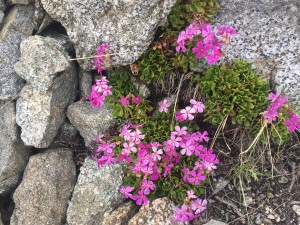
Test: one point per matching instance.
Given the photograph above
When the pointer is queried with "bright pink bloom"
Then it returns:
(147, 185)
(191, 194)
(188, 148)
(183, 214)
(168, 169)
(294, 123)
(126, 191)
(136, 100)
(180, 45)
(124, 101)
(196, 177)
(271, 114)
(140, 198)
(164, 106)
(198, 205)
(99, 60)
(198, 106)
(273, 97)
(187, 113)
(199, 50)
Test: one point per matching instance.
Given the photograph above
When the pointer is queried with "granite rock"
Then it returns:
(127, 26)
(65, 133)
(158, 212)
(13, 153)
(121, 215)
(17, 26)
(269, 36)
(42, 197)
(90, 122)
(51, 86)
(20, 2)
(214, 222)
(2, 5)
(85, 83)
(96, 192)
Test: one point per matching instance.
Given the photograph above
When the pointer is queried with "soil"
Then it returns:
(265, 201)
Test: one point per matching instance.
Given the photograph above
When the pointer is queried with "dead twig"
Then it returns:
(294, 177)
(234, 208)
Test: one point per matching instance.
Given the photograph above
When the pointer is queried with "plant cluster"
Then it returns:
(170, 168)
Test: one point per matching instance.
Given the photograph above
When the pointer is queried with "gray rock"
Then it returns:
(51, 86)
(296, 209)
(96, 192)
(1, 16)
(65, 133)
(85, 83)
(2, 5)
(90, 122)
(142, 89)
(20, 2)
(62, 40)
(158, 212)
(127, 26)
(45, 23)
(42, 197)
(121, 215)
(214, 222)
(0, 220)
(13, 154)
(17, 26)
(283, 180)
(269, 36)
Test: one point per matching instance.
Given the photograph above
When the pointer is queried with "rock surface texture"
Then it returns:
(127, 26)
(17, 26)
(90, 122)
(42, 196)
(269, 36)
(13, 154)
(96, 192)
(121, 215)
(50, 88)
(214, 222)
(85, 83)
(158, 212)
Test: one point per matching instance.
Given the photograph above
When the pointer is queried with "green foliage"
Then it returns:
(186, 60)
(183, 12)
(234, 89)
(154, 66)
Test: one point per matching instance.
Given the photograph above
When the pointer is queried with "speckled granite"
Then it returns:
(158, 212)
(269, 36)
(96, 192)
(127, 25)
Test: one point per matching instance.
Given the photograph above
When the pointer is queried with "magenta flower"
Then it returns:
(168, 169)
(140, 198)
(199, 50)
(99, 60)
(183, 214)
(147, 186)
(179, 131)
(129, 147)
(126, 191)
(136, 100)
(273, 97)
(180, 45)
(196, 177)
(164, 106)
(198, 205)
(198, 106)
(156, 155)
(187, 113)
(271, 114)
(294, 123)
(124, 101)
(179, 116)
(188, 148)
(191, 194)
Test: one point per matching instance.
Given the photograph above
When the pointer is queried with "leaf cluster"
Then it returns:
(183, 13)
(234, 89)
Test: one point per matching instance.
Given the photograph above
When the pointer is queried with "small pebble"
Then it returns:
(296, 209)
(270, 195)
(283, 180)
(271, 217)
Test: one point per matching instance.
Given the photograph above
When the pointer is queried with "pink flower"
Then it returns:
(198, 106)
(188, 148)
(179, 116)
(199, 50)
(168, 169)
(129, 147)
(187, 113)
(164, 106)
(136, 100)
(183, 214)
(147, 185)
(196, 177)
(99, 60)
(156, 154)
(140, 198)
(294, 123)
(180, 45)
(124, 101)
(126, 191)
(191, 194)
(198, 205)
(273, 97)
(271, 114)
